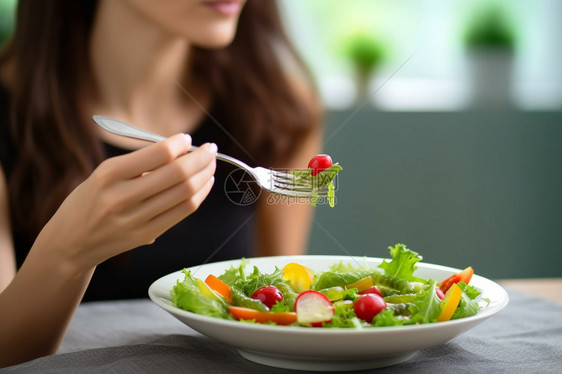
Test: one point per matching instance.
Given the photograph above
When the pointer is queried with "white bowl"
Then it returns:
(326, 349)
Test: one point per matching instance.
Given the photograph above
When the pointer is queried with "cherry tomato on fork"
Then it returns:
(319, 163)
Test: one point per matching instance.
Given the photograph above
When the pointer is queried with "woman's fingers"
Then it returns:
(177, 171)
(176, 194)
(161, 198)
(149, 158)
(172, 216)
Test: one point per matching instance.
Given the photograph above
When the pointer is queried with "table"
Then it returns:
(546, 288)
(138, 337)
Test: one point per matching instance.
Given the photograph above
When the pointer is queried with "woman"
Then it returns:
(75, 200)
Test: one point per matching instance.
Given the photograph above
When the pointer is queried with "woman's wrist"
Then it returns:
(60, 258)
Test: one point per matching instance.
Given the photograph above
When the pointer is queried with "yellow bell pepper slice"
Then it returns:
(450, 303)
(205, 290)
(362, 284)
(300, 277)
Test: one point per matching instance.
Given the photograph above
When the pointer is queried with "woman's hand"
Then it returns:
(129, 201)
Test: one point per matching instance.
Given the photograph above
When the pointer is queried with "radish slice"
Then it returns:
(312, 307)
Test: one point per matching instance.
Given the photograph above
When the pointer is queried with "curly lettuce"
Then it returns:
(195, 296)
(324, 179)
(403, 263)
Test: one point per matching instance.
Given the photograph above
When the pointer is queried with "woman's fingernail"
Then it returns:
(188, 138)
(213, 147)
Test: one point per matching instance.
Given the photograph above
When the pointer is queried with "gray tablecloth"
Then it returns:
(139, 337)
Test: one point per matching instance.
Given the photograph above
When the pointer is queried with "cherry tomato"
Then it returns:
(368, 306)
(319, 163)
(374, 290)
(462, 276)
(269, 295)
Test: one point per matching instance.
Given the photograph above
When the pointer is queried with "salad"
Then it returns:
(319, 176)
(344, 296)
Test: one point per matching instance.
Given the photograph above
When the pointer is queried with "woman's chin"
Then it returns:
(215, 41)
(214, 36)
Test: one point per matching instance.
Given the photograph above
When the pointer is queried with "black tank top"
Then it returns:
(222, 228)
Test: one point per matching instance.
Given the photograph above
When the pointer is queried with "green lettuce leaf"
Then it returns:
(350, 294)
(427, 305)
(344, 316)
(257, 280)
(402, 264)
(280, 307)
(247, 284)
(194, 296)
(468, 305)
(470, 291)
(331, 279)
(235, 273)
(387, 318)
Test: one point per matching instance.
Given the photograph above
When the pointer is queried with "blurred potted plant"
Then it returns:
(366, 53)
(490, 45)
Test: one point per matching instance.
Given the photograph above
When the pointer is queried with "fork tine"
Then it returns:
(320, 192)
(302, 189)
(284, 176)
(292, 184)
(289, 182)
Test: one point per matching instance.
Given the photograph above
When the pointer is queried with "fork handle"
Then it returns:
(124, 129)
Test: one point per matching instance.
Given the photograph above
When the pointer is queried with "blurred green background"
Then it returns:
(461, 188)
(7, 8)
(447, 118)
(455, 149)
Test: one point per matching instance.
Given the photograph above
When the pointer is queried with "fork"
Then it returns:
(275, 181)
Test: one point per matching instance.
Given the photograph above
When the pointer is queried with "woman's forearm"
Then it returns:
(38, 305)
(128, 201)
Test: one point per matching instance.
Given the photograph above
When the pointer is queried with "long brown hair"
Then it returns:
(57, 148)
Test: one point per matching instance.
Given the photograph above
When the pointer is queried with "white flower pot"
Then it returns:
(490, 77)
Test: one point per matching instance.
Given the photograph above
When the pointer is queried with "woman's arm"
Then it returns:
(7, 255)
(128, 201)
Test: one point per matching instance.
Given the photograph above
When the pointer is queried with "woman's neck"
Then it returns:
(141, 72)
